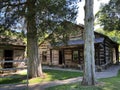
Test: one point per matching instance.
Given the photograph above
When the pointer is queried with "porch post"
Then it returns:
(50, 56)
(104, 53)
(63, 56)
(79, 62)
(99, 59)
(117, 54)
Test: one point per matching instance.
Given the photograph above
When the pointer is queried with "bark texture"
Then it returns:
(35, 69)
(89, 63)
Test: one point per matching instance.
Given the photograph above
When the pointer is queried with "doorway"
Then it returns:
(8, 54)
(60, 57)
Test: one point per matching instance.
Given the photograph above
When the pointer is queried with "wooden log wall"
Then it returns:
(68, 56)
(104, 53)
(110, 51)
(47, 61)
(107, 51)
(18, 55)
(44, 47)
(97, 54)
(55, 57)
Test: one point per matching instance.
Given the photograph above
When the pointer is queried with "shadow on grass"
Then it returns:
(13, 79)
(62, 75)
(50, 75)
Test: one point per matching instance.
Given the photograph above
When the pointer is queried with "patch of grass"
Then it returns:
(20, 77)
(112, 83)
(16, 78)
(75, 86)
(61, 75)
(50, 75)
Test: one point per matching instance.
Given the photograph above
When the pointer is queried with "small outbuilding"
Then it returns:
(11, 49)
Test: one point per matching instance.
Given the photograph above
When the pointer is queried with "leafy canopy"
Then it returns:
(113, 35)
(109, 15)
(47, 13)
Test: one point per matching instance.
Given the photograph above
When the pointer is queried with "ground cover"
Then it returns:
(112, 83)
(49, 75)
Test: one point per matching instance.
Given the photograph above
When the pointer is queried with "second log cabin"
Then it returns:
(72, 53)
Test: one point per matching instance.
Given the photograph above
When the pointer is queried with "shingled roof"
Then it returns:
(79, 42)
(5, 40)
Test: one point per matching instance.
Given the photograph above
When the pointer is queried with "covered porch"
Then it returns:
(72, 55)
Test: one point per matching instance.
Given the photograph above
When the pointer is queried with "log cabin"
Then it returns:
(11, 49)
(72, 53)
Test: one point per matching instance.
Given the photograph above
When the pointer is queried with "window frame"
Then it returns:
(75, 58)
(44, 56)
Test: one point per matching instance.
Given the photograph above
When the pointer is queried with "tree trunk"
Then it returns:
(34, 65)
(89, 63)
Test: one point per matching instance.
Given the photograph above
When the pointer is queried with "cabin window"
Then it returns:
(75, 56)
(44, 56)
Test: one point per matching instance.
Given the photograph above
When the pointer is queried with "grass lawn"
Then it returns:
(14, 78)
(112, 83)
(50, 75)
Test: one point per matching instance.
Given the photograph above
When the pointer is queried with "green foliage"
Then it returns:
(62, 33)
(109, 15)
(113, 35)
(57, 14)
(13, 34)
(49, 14)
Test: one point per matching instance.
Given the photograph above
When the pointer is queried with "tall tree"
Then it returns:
(39, 17)
(89, 63)
(109, 15)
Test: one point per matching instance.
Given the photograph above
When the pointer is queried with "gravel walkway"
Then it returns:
(110, 72)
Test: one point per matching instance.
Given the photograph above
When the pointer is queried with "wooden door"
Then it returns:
(8, 54)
